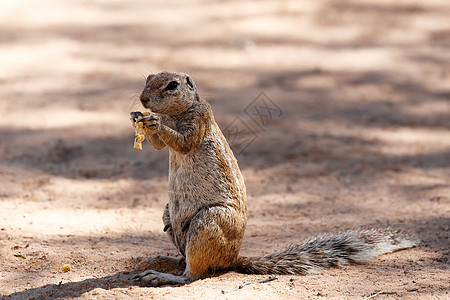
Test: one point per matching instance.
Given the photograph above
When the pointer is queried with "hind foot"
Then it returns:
(155, 278)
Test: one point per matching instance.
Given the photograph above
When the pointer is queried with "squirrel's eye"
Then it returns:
(171, 86)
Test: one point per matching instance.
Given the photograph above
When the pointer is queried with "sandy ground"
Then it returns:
(353, 130)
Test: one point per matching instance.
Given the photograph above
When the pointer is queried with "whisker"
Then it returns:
(145, 72)
(132, 104)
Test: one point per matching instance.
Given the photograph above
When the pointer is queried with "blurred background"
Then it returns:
(361, 91)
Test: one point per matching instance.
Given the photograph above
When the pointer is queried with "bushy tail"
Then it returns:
(326, 251)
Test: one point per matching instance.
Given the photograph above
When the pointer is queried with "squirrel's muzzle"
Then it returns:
(144, 98)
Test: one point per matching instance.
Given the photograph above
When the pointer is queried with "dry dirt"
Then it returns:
(354, 130)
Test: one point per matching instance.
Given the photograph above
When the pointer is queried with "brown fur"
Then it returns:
(207, 211)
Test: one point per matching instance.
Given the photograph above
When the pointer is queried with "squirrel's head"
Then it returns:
(169, 93)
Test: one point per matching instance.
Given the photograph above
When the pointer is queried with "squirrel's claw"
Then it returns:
(185, 226)
(167, 226)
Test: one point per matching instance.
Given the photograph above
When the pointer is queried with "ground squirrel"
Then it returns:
(207, 211)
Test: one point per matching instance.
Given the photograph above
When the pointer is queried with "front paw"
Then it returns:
(135, 116)
(152, 122)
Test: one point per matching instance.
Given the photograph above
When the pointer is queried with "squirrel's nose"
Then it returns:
(144, 94)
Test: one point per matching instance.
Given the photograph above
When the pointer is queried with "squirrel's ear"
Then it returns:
(190, 83)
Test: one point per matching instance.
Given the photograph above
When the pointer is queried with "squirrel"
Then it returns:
(206, 214)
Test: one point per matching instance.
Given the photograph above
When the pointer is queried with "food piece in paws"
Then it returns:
(139, 128)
